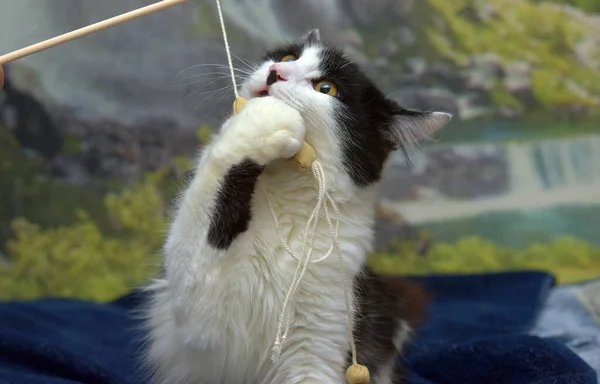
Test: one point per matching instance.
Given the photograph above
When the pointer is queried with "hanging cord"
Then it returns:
(227, 49)
(356, 374)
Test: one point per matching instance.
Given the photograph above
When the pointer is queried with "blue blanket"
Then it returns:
(477, 333)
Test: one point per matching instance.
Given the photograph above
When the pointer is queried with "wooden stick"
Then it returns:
(81, 32)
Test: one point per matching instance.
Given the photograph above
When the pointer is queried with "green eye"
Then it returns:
(327, 87)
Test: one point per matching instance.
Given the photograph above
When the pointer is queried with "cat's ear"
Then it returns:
(312, 37)
(408, 127)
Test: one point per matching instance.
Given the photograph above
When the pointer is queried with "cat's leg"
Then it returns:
(315, 348)
(311, 361)
(388, 311)
(215, 211)
(208, 235)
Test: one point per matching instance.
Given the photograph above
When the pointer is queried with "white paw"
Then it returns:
(266, 129)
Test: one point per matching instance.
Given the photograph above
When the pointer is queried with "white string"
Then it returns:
(227, 49)
(309, 237)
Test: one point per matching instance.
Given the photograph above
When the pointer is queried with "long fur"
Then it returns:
(213, 314)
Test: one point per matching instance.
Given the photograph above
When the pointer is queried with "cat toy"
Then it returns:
(306, 158)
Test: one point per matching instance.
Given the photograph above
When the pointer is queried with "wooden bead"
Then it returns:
(358, 374)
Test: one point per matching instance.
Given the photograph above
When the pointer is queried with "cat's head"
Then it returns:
(347, 116)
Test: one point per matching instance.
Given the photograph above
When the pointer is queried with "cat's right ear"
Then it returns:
(312, 37)
(408, 127)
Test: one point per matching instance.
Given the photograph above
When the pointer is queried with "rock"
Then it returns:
(402, 80)
(29, 120)
(111, 150)
(379, 62)
(479, 81)
(416, 66)
(388, 48)
(423, 193)
(71, 170)
(443, 74)
(470, 106)
(351, 37)
(405, 36)
(482, 71)
(487, 12)
(509, 112)
(400, 8)
(452, 171)
(367, 11)
(517, 80)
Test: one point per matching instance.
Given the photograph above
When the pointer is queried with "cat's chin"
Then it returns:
(264, 92)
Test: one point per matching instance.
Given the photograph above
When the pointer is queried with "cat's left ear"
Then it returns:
(408, 127)
(312, 37)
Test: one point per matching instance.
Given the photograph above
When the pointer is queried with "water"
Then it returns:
(554, 191)
(554, 163)
(520, 228)
(502, 130)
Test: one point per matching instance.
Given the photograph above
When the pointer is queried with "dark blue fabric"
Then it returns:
(476, 334)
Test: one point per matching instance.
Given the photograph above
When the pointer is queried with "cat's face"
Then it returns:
(345, 112)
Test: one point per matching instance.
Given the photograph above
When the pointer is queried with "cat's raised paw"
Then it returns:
(266, 129)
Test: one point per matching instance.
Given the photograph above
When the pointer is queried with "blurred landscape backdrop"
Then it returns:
(97, 135)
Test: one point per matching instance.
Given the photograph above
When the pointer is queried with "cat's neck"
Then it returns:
(294, 192)
(285, 180)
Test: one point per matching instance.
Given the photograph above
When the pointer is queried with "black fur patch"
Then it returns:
(381, 303)
(364, 113)
(232, 212)
(279, 53)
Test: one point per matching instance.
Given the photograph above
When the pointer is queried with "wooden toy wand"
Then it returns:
(43, 45)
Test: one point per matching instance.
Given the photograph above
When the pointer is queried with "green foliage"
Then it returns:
(27, 191)
(501, 97)
(80, 260)
(568, 258)
(71, 145)
(585, 5)
(536, 32)
(206, 23)
(204, 134)
(541, 34)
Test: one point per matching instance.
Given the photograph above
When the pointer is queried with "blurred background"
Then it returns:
(97, 135)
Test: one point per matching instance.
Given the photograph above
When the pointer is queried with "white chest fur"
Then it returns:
(226, 319)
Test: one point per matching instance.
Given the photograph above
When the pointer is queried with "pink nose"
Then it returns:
(276, 73)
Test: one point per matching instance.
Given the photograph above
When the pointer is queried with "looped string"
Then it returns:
(308, 241)
(305, 257)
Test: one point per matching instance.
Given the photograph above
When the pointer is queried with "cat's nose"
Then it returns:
(275, 74)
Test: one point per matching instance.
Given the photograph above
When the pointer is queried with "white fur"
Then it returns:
(213, 318)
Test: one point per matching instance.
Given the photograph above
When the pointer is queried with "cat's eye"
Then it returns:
(327, 87)
(289, 58)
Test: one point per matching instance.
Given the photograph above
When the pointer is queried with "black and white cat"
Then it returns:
(214, 313)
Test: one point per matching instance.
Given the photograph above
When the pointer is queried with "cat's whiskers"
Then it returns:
(222, 91)
(209, 80)
(199, 66)
(206, 81)
(249, 64)
(203, 74)
(210, 92)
